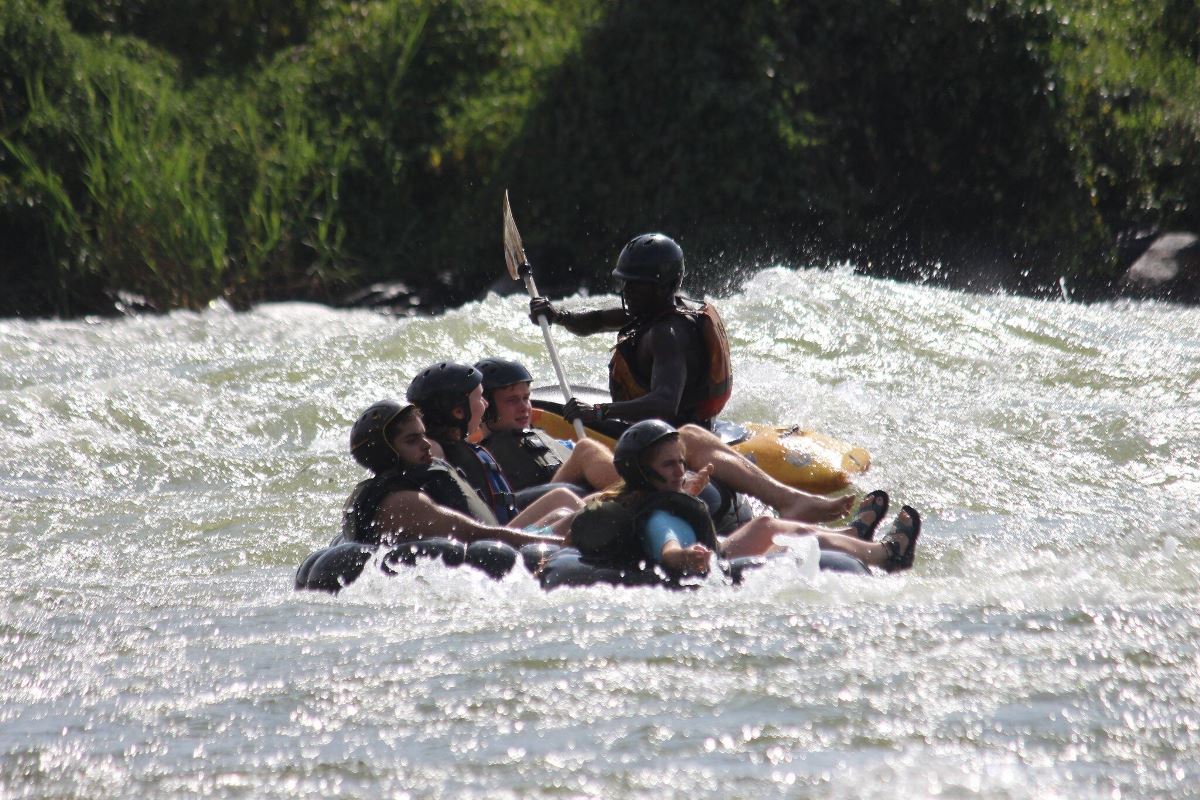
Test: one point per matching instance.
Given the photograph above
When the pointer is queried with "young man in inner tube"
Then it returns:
(412, 495)
(533, 460)
(450, 397)
(654, 517)
(671, 362)
(528, 456)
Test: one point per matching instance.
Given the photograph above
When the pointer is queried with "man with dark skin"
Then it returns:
(664, 348)
(672, 363)
(412, 495)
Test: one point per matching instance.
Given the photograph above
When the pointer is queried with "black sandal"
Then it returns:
(902, 558)
(877, 503)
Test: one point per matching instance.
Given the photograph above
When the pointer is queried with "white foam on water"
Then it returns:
(161, 478)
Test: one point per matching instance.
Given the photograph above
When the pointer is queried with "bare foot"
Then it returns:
(814, 508)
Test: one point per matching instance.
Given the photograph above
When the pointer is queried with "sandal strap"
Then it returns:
(877, 504)
(897, 558)
(862, 529)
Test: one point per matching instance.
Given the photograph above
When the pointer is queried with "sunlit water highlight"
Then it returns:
(161, 478)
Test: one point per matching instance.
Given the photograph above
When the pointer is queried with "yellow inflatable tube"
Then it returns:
(803, 459)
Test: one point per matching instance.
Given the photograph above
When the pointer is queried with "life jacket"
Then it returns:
(610, 531)
(439, 481)
(705, 393)
(484, 475)
(528, 458)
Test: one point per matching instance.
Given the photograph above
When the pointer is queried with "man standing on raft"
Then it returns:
(671, 362)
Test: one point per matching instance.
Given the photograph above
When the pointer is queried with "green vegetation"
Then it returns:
(266, 149)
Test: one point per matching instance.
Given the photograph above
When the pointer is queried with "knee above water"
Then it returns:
(565, 497)
(590, 447)
(762, 525)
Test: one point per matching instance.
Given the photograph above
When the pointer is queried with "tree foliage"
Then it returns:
(263, 149)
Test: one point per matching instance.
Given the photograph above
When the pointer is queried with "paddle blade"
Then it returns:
(514, 251)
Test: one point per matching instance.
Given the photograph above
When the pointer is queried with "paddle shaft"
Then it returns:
(530, 287)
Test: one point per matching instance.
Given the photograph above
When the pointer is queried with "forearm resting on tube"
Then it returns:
(408, 516)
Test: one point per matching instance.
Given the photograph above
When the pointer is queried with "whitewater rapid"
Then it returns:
(161, 478)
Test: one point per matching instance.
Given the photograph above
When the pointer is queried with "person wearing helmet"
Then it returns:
(533, 460)
(672, 357)
(412, 495)
(653, 516)
(450, 397)
(531, 457)
(672, 362)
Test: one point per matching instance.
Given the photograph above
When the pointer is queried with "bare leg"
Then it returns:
(730, 468)
(756, 538)
(559, 522)
(870, 553)
(591, 463)
(548, 509)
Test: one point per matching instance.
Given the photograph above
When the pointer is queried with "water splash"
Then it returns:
(160, 478)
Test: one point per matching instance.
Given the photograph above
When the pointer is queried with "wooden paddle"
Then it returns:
(520, 269)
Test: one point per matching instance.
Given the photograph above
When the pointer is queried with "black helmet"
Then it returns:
(444, 379)
(370, 443)
(498, 373)
(651, 258)
(441, 389)
(633, 444)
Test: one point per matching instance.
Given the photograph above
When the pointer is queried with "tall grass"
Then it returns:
(290, 232)
(153, 219)
(288, 148)
(155, 216)
(61, 227)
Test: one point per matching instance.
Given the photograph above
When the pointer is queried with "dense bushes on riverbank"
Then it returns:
(257, 149)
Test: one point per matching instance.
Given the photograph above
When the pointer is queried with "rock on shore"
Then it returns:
(1169, 269)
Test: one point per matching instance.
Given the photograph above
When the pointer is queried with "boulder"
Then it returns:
(1169, 269)
(128, 303)
(392, 298)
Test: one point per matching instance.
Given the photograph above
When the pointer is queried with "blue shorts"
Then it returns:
(662, 527)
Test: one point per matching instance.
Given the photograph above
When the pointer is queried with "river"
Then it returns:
(162, 477)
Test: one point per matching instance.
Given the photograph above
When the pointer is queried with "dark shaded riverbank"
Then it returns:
(1163, 268)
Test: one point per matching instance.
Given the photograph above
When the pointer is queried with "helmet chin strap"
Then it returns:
(397, 462)
(464, 424)
(491, 413)
(650, 475)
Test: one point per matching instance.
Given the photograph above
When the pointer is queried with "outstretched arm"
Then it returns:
(408, 516)
(580, 323)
